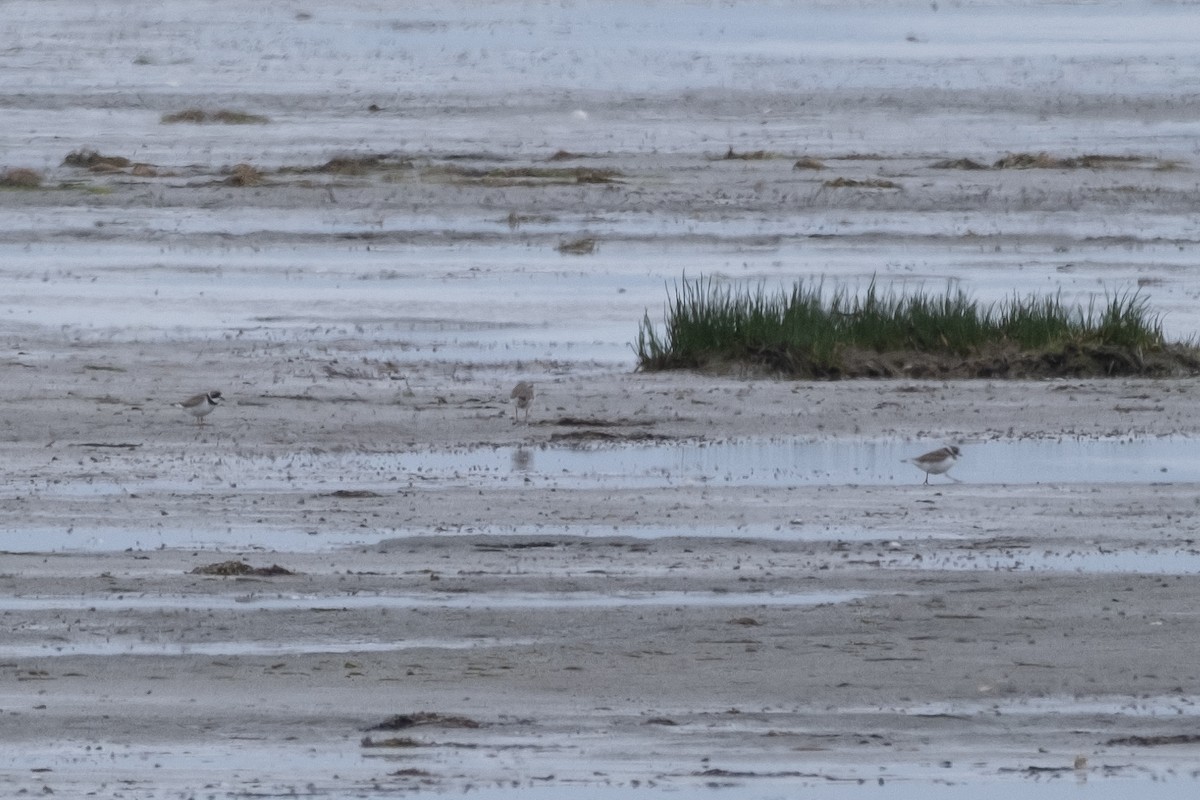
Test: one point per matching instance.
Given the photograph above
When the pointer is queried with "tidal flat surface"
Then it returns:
(660, 583)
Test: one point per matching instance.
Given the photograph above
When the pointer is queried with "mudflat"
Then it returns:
(438, 629)
(365, 222)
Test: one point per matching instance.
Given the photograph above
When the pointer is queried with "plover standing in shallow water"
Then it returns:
(201, 405)
(936, 462)
(523, 394)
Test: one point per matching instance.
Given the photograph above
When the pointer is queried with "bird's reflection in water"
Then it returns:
(522, 460)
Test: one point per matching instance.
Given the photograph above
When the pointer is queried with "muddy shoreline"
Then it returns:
(867, 632)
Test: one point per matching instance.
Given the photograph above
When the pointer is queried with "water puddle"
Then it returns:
(1051, 787)
(511, 770)
(794, 462)
(745, 462)
(126, 646)
(791, 462)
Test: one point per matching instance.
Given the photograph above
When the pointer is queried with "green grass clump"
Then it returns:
(813, 332)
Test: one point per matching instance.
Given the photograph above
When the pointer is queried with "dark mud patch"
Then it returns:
(399, 722)
(581, 437)
(240, 568)
(223, 116)
(592, 422)
(96, 162)
(578, 247)
(1046, 161)
(1154, 741)
(748, 155)
(522, 176)
(1071, 361)
(499, 547)
(959, 163)
(854, 183)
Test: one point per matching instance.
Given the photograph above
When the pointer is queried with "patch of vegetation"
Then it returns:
(399, 722)
(235, 568)
(959, 163)
(244, 175)
(353, 165)
(198, 116)
(869, 183)
(524, 176)
(809, 332)
(1046, 161)
(578, 247)
(87, 158)
(21, 178)
(807, 163)
(750, 155)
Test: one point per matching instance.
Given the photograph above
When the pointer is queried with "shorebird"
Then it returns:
(523, 394)
(936, 462)
(201, 405)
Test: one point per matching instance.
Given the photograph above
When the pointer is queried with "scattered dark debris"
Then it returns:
(400, 722)
(113, 445)
(354, 493)
(1154, 741)
(716, 772)
(605, 436)
(410, 772)
(1035, 770)
(491, 545)
(349, 373)
(579, 422)
(233, 567)
(660, 721)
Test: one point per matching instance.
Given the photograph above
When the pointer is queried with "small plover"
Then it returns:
(936, 462)
(201, 405)
(523, 394)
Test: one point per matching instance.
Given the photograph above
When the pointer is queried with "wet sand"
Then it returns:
(868, 635)
(602, 602)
